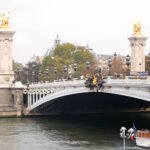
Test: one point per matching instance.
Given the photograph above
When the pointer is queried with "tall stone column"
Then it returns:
(137, 43)
(6, 70)
(11, 95)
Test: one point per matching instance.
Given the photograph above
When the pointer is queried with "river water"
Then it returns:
(80, 132)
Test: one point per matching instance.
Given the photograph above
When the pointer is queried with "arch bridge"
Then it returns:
(40, 95)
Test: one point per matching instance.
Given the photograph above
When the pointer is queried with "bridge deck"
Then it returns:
(39, 94)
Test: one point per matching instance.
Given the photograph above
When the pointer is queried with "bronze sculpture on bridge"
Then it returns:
(4, 18)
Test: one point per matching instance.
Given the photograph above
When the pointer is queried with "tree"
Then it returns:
(31, 72)
(118, 66)
(47, 68)
(83, 55)
(65, 50)
(67, 54)
(17, 65)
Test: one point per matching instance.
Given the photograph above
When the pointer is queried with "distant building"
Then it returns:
(89, 49)
(37, 59)
(50, 51)
(102, 62)
(57, 40)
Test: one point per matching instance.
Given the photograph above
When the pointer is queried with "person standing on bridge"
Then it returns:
(96, 81)
(100, 83)
(89, 82)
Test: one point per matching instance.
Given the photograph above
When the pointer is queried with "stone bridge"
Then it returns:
(37, 95)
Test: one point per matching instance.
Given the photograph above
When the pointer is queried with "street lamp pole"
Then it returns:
(128, 64)
(34, 70)
(148, 63)
(18, 74)
(109, 65)
(55, 73)
(75, 70)
(65, 71)
(87, 67)
(27, 78)
(47, 70)
(39, 75)
(26, 74)
(33, 74)
(140, 66)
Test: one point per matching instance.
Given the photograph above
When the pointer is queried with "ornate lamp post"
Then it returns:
(65, 71)
(115, 54)
(18, 74)
(47, 70)
(140, 66)
(26, 72)
(87, 67)
(27, 78)
(33, 74)
(39, 75)
(55, 73)
(128, 64)
(148, 60)
(75, 70)
(109, 65)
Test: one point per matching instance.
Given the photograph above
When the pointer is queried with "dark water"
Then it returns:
(82, 132)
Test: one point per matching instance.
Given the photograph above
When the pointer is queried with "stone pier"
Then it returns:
(137, 43)
(10, 94)
(137, 54)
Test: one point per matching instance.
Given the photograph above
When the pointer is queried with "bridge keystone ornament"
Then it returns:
(137, 43)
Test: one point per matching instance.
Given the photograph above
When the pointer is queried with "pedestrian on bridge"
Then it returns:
(96, 81)
(89, 82)
(100, 83)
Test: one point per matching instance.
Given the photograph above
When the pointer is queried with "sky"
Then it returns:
(104, 24)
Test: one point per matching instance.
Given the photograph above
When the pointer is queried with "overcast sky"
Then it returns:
(104, 24)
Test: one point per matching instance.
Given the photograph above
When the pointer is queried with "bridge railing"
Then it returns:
(58, 84)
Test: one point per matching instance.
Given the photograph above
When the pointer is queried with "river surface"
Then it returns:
(80, 132)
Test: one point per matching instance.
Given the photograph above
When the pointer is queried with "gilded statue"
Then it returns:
(137, 29)
(4, 21)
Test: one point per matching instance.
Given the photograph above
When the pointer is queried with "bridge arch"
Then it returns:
(133, 94)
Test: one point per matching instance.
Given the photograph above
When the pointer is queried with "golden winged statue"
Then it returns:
(4, 19)
(137, 29)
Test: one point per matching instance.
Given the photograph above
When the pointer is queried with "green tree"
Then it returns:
(48, 68)
(83, 55)
(17, 65)
(67, 54)
(65, 50)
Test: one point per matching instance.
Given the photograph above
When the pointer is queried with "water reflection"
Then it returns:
(84, 132)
